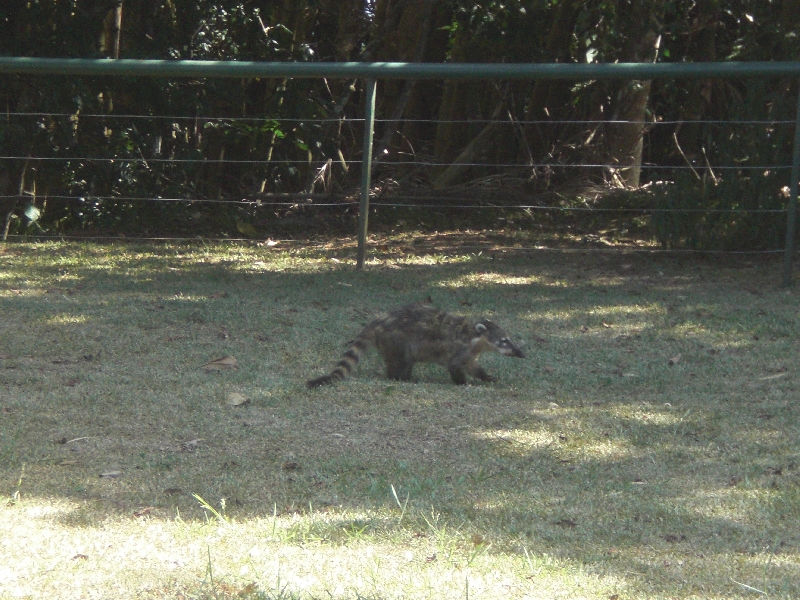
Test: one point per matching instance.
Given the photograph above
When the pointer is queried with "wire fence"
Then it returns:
(479, 197)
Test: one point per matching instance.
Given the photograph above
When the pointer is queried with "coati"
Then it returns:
(421, 333)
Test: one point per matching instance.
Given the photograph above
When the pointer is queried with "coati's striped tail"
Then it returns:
(344, 367)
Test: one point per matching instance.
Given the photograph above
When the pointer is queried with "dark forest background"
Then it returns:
(255, 156)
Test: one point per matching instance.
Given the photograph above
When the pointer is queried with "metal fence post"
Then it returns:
(366, 173)
(791, 206)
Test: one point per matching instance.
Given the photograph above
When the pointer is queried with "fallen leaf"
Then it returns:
(142, 512)
(674, 360)
(175, 338)
(236, 399)
(80, 557)
(111, 474)
(778, 376)
(478, 539)
(246, 228)
(607, 326)
(548, 369)
(221, 364)
(191, 445)
(290, 466)
(566, 523)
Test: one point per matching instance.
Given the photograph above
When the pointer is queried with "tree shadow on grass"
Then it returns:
(650, 423)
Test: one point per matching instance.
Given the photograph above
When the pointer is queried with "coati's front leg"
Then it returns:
(478, 372)
(459, 366)
(458, 375)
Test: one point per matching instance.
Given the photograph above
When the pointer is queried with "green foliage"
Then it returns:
(704, 209)
(108, 152)
(708, 215)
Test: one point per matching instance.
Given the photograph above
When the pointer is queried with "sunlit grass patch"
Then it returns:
(481, 279)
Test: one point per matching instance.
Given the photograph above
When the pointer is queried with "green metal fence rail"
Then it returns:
(373, 71)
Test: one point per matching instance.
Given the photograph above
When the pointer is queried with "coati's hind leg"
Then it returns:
(457, 375)
(398, 365)
(398, 369)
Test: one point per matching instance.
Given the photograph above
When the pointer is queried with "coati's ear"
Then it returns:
(480, 328)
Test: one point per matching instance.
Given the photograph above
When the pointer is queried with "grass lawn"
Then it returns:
(647, 447)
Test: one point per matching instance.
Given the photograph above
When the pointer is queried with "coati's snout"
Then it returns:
(498, 340)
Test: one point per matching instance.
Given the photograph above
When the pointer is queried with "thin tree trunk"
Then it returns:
(408, 87)
(20, 191)
(625, 140)
(460, 165)
(547, 97)
(117, 29)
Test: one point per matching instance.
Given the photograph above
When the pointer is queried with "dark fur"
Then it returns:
(420, 333)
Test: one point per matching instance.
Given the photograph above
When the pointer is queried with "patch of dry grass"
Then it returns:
(648, 446)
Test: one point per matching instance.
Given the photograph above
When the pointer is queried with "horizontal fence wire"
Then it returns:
(207, 118)
(419, 163)
(379, 204)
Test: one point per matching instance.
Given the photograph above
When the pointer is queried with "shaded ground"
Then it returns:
(648, 445)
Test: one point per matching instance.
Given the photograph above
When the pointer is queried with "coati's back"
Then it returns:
(422, 333)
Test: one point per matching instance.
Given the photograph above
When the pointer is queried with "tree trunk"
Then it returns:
(20, 192)
(408, 86)
(461, 101)
(460, 165)
(624, 141)
(112, 26)
(548, 98)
